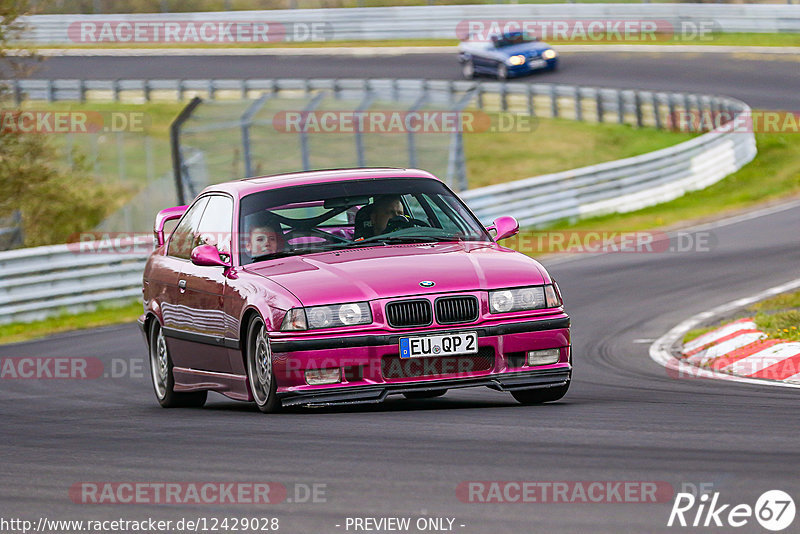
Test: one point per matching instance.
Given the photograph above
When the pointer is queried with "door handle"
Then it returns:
(182, 284)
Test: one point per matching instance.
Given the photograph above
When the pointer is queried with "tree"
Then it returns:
(54, 200)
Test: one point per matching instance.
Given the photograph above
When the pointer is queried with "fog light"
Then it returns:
(543, 357)
(318, 377)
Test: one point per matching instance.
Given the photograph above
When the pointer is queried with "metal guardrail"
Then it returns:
(43, 281)
(378, 23)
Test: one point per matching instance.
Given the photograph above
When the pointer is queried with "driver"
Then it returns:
(263, 235)
(384, 208)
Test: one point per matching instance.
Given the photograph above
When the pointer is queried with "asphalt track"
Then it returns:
(624, 418)
(763, 81)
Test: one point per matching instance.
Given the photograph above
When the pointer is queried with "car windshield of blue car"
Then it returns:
(350, 214)
(511, 39)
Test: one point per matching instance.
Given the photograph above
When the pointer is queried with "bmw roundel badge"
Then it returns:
(427, 283)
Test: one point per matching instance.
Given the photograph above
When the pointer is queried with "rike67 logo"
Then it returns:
(774, 510)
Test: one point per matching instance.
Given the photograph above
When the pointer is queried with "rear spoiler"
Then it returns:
(162, 217)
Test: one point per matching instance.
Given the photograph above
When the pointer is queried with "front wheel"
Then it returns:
(161, 372)
(260, 376)
(538, 396)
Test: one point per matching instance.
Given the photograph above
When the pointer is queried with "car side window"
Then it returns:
(180, 242)
(215, 225)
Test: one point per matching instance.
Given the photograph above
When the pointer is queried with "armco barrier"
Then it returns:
(408, 22)
(39, 282)
(42, 281)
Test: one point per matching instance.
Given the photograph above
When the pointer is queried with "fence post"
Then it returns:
(553, 101)
(304, 151)
(247, 121)
(657, 111)
(671, 120)
(82, 91)
(50, 91)
(637, 102)
(146, 90)
(365, 103)
(211, 90)
(17, 93)
(599, 104)
(578, 104)
(620, 106)
(115, 89)
(529, 98)
(503, 97)
(175, 145)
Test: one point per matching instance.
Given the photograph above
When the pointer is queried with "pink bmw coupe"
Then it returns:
(346, 286)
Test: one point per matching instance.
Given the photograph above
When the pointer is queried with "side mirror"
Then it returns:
(207, 255)
(504, 227)
(162, 217)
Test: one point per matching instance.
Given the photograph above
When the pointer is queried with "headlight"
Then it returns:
(327, 316)
(516, 60)
(549, 54)
(523, 298)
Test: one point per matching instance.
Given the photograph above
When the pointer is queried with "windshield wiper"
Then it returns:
(298, 251)
(380, 239)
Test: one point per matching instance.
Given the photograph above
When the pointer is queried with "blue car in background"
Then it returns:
(506, 56)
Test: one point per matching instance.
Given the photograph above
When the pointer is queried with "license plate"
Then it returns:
(537, 63)
(441, 345)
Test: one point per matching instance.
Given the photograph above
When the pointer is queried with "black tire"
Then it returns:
(502, 71)
(260, 376)
(468, 69)
(161, 373)
(538, 396)
(416, 395)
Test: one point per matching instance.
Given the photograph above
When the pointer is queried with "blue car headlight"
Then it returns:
(549, 54)
(516, 60)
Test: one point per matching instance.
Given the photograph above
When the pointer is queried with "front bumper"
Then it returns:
(544, 378)
(371, 369)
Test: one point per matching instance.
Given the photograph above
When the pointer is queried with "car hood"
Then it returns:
(522, 48)
(396, 270)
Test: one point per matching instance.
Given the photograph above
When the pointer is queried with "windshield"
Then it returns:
(352, 214)
(511, 39)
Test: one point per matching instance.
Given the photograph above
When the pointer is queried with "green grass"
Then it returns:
(781, 325)
(555, 145)
(773, 175)
(778, 316)
(780, 302)
(102, 316)
(716, 39)
(697, 332)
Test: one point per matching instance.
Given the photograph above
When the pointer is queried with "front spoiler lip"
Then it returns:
(372, 394)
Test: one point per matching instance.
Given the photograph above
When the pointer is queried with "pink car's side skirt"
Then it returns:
(230, 385)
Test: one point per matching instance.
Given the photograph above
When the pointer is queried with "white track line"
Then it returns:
(661, 349)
